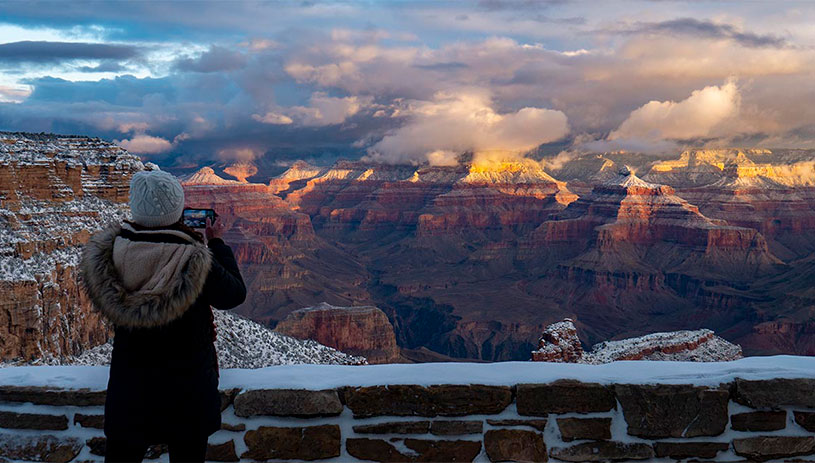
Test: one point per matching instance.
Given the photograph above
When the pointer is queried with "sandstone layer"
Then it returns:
(364, 331)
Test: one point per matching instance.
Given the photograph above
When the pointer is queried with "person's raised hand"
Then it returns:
(214, 230)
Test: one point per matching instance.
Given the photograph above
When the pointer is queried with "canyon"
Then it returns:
(473, 261)
(441, 263)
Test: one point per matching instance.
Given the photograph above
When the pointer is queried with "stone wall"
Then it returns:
(564, 420)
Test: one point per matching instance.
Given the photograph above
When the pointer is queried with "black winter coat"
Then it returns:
(156, 287)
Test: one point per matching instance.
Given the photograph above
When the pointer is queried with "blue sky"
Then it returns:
(186, 83)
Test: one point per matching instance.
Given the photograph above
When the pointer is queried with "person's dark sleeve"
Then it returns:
(224, 288)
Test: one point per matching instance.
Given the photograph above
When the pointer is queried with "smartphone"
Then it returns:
(197, 218)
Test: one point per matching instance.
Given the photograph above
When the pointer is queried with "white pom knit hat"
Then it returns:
(156, 198)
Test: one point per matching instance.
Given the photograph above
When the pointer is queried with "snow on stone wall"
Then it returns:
(755, 408)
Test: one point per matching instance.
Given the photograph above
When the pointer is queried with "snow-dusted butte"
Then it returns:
(319, 377)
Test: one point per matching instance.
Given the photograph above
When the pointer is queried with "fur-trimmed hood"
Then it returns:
(143, 278)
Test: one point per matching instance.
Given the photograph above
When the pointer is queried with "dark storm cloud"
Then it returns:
(50, 52)
(216, 59)
(705, 29)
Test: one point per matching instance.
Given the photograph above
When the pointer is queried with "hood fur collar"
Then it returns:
(139, 309)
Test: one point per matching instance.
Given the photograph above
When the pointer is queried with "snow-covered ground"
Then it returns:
(502, 373)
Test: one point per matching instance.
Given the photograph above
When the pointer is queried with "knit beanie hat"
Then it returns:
(156, 198)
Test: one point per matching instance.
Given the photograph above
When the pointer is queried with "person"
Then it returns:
(156, 281)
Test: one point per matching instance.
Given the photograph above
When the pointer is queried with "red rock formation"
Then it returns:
(559, 343)
(55, 192)
(466, 258)
(613, 228)
(362, 331)
(283, 262)
(772, 192)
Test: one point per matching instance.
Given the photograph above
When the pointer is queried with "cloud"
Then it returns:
(242, 153)
(261, 44)
(215, 59)
(14, 93)
(104, 66)
(44, 52)
(273, 118)
(453, 123)
(329, 79)
(705, 29)
(323, 110)
(326, 110)
(145, 144)
(695, 117)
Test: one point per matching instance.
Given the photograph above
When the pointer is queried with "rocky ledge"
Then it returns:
(560, 343)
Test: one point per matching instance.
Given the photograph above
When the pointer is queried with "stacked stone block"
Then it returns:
(562, 421)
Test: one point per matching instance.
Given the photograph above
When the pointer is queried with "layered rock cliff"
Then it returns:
(473, 260)
(770, 191)
(283, 262)
(629, 225)
(363, 331)
(55, 192)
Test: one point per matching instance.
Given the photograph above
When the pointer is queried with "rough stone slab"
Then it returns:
(603, 451)
(39, 448)
(155, 451)
(655, 411)
(759, 421)
(537, 424)
(90, 421)
(411, 400)
(296, 443)
(775, 393)
(442, 450)
(222, 452)
(514, 445)
(374, 449)
(584, 428)
(564, 396)
(12, 420)
(806, 420)
(288, 402)
(52, 396)
(394, 427)
(227, 397)
(457, 427)
(763, 448)
(684, 450)
(233, 427)
(423, 450)
(97, 445)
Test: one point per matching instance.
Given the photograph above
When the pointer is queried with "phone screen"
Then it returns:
(197, 218)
